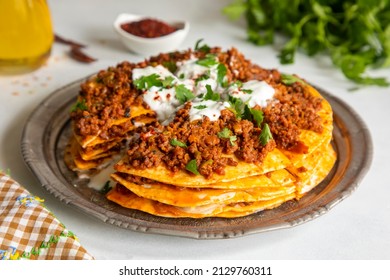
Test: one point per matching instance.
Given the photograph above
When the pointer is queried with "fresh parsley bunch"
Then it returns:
(356, 33)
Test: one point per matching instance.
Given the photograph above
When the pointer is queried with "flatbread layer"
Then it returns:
(274, 160)
(189, 197)
(132, 201)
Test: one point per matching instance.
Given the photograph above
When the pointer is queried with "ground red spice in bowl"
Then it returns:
(148, 28)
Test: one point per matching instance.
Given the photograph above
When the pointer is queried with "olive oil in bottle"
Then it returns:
(26, 35)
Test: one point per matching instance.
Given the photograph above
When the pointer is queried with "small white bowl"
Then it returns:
(151, 46)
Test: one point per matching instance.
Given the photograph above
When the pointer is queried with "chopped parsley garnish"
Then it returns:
(106, 188)
(248, 91)
(265, 135)
(146, 82)
(247, 114)
(168, 82)
(174, 142)
(237, 106)
(236, 83)
(290, 79)
(183, 94)
(226, 133)
(153, 80)
(192, 167)
(211, 95)
(221, 76)
(200, 107)
(203, 48)
(170, 65)
(208, 61)
(257, 116)
(243, 111)
(203, 77)
(80, 105)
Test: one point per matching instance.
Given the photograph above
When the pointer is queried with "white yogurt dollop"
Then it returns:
(253, 93)
(196, 78)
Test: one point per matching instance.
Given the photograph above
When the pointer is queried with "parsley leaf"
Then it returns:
(227, 134)
(224, 133)
(211, 95)
(232, 139)
(265, 135)
(221, 75)
(208, 61)
(237, 83)
(80, 105)
(106, 188)
(146, 82)
(174, 142)
(290, 79)
(253, 114)
(192, 167)
(168, 82)
(247, 114)
(154, 80)
(237, 106)
(183, 94)
(247, 91)
(203, 48)
(257, 116)
(200, 107)
(170, 65)
(356, 34)
(203, 77)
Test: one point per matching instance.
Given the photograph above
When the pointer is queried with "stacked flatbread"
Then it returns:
(89, 152)
(242, 189)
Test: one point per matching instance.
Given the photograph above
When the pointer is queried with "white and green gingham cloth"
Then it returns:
(29, 231)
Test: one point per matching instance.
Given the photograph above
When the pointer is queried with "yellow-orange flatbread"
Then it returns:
(239, 210)
(274, 160)
(316, 170)
(98, 151)
(136, 121)
(75, 162)
(132, 201)
(187, 197)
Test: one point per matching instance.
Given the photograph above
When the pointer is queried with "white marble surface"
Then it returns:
(357, 228)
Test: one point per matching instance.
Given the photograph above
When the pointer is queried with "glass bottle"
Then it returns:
(26, 35)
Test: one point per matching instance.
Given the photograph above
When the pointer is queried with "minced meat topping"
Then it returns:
(207, 144)
(201, 141)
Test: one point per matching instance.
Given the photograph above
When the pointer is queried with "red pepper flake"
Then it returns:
(302, 169)
(148, 28)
